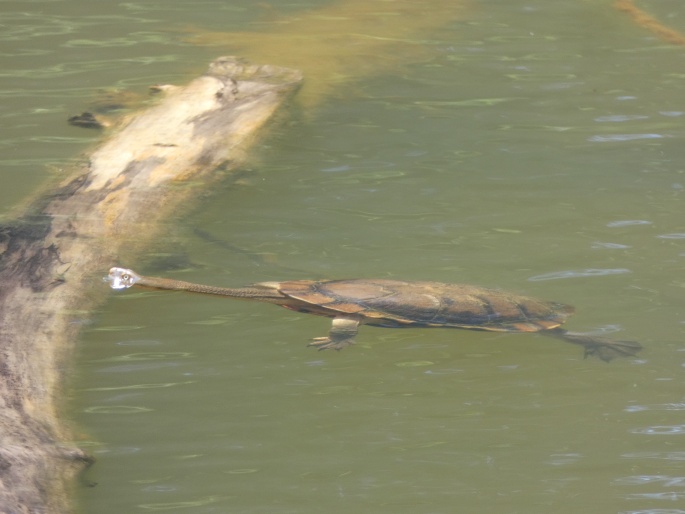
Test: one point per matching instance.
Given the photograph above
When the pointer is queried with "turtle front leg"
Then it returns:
(342, 334)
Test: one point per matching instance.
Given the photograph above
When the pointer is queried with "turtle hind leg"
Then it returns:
(342, 334)
(602, 347)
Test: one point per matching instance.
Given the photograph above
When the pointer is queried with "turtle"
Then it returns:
(397, 304)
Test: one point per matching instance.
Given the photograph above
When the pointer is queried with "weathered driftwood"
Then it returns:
(53, 257)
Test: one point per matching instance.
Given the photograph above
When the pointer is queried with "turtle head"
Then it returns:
(121, 278)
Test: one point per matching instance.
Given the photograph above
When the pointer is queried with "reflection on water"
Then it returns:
(527, 149)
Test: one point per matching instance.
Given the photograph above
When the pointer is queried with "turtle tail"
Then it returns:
(602, 347)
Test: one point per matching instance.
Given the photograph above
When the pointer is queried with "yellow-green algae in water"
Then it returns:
(342, 42)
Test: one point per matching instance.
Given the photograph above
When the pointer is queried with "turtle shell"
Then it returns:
(395, 303)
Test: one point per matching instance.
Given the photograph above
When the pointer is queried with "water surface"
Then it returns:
(536, 148)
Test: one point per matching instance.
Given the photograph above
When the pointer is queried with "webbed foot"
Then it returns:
(605, 349)
(342, 334)
(326, 343)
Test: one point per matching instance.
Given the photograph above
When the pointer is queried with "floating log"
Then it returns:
(53, 256)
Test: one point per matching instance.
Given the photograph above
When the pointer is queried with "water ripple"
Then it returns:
(474, 102)
(653, 511)
(661, 430)
(674, 456)
(670, 496)
(590, 272)
(116, 409)
(610, 246)
(139, 386)
(445, 371)
(666, 480)
(181, 505)
(621, 117)
(627, 223)
(655, 406)
(82, 67)
(145, 356)
(623, 137)
(413, 364)
(139, 342)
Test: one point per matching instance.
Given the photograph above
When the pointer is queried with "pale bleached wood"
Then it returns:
(53, 257)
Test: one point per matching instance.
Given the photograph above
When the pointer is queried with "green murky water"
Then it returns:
(539, 149)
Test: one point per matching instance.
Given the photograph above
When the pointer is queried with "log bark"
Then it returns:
(53, 256)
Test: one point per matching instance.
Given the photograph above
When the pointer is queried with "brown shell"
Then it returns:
(394, 303)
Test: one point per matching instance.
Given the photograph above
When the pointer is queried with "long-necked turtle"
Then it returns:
(395, 303)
